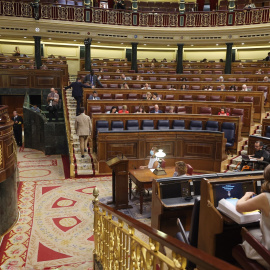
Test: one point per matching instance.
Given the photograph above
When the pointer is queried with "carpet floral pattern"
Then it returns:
(55, 227)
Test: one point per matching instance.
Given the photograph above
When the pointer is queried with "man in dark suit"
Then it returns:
(156, 110)
(17, 128)
(77, 92)
(267, 57)
(94, 96)
(93, 80)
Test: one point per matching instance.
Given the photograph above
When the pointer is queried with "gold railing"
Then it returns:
(120, 245)
(69, 139)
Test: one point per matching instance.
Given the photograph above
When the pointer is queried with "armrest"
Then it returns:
(256, 245)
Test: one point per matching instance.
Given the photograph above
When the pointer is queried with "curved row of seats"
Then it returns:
(177, 109)
(133, 125)
(153, 78)
(133, 96)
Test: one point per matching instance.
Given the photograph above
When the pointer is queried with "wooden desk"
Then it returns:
(143, 179)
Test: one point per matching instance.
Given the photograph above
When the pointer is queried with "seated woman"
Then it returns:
(124, 86)
(180, 169)
(233, 88)
(113, 110)
(183, 87)
(222, 112)
(155, 96)
(148, 96)
(124, 109)
(153, 162)
(141, 109)
(261, 202)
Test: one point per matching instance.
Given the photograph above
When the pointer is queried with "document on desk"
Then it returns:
(228, 207)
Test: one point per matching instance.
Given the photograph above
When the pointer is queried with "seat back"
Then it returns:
(102, 125)
(132, 96)
(215, 98)
(205, 110)
(117, 125)
(267, 133)
(248, 99)
(95, 109)
(211, 125)
(229, 132)
(169, 97)
(147, 124)
(163, 124)
(181, 110)
(201, 97)
(178, 124)
(107, 96)
(119, 96)
(230, 98)
(187, 97)
(194, 225)
(132, 125)
(238, 112)
(195, 125)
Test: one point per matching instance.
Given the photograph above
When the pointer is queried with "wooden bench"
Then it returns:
(258, 97)
(171, 117)
(203, 150)
(191, 107)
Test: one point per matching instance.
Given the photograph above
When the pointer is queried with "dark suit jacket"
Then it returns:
(17, 126)
(96, 81)
(77, 88)
(159, 111)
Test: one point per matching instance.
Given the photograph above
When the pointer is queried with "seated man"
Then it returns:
(156, 110)
(94, 96)
(259, 155)
(146, 86)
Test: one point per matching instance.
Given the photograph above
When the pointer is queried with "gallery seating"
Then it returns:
(195, 125)
(211, 125)
(178, 124)
(117, 126)
(102, 125)
(132, 125)
(229, 133)
(147, 125)
(163, 124)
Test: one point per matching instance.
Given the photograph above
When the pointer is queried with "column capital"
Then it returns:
(134, 43)
(229, 44)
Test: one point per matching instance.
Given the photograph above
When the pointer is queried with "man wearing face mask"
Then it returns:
(153, 162)
(180, 169)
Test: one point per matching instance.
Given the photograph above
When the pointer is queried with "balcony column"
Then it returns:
(134, 57)
(87, 54)
(231, 5)
(228, 65)
(134, 6)
(37, 52)
(182, 7)
(87, 3)
(179, 60)
(35, 6)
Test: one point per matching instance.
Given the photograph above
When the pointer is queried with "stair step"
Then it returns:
(84, 166)
(244, 152)
(246, 147)
(84, 172)
(232, 167)
(79, 159)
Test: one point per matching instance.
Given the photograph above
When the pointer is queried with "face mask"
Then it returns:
(151, 152)
(175, 174)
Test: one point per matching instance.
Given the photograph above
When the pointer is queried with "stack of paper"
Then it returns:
(227, 207)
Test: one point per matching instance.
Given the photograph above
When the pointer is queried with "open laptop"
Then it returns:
(246, 158)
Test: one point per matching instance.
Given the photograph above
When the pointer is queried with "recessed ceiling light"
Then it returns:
(122, 43)
(191, 45)
(75, 40)
(216, 44)
(168, 45)
(243, 43)
(24, 37)
(50, 38)
(98, 42)
(144, 44)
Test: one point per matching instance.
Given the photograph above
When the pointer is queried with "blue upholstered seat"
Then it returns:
(132, 125)
(195, 125)
(211, 125)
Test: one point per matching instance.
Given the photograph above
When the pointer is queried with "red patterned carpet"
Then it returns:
(55, 225)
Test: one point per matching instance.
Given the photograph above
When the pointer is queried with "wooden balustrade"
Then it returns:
(37, 79)
(191, 107)
(8, 175)
(203, 150)
(117, 242)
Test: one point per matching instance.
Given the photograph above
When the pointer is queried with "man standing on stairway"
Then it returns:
(83, 127)
(77, 92)
(17, 128)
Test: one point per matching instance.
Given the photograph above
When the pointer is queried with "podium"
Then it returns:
(119, 166)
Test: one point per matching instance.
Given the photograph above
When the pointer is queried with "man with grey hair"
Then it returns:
(52, 107)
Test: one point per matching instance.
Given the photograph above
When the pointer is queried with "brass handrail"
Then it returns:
(117, 246)
(69, 139)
